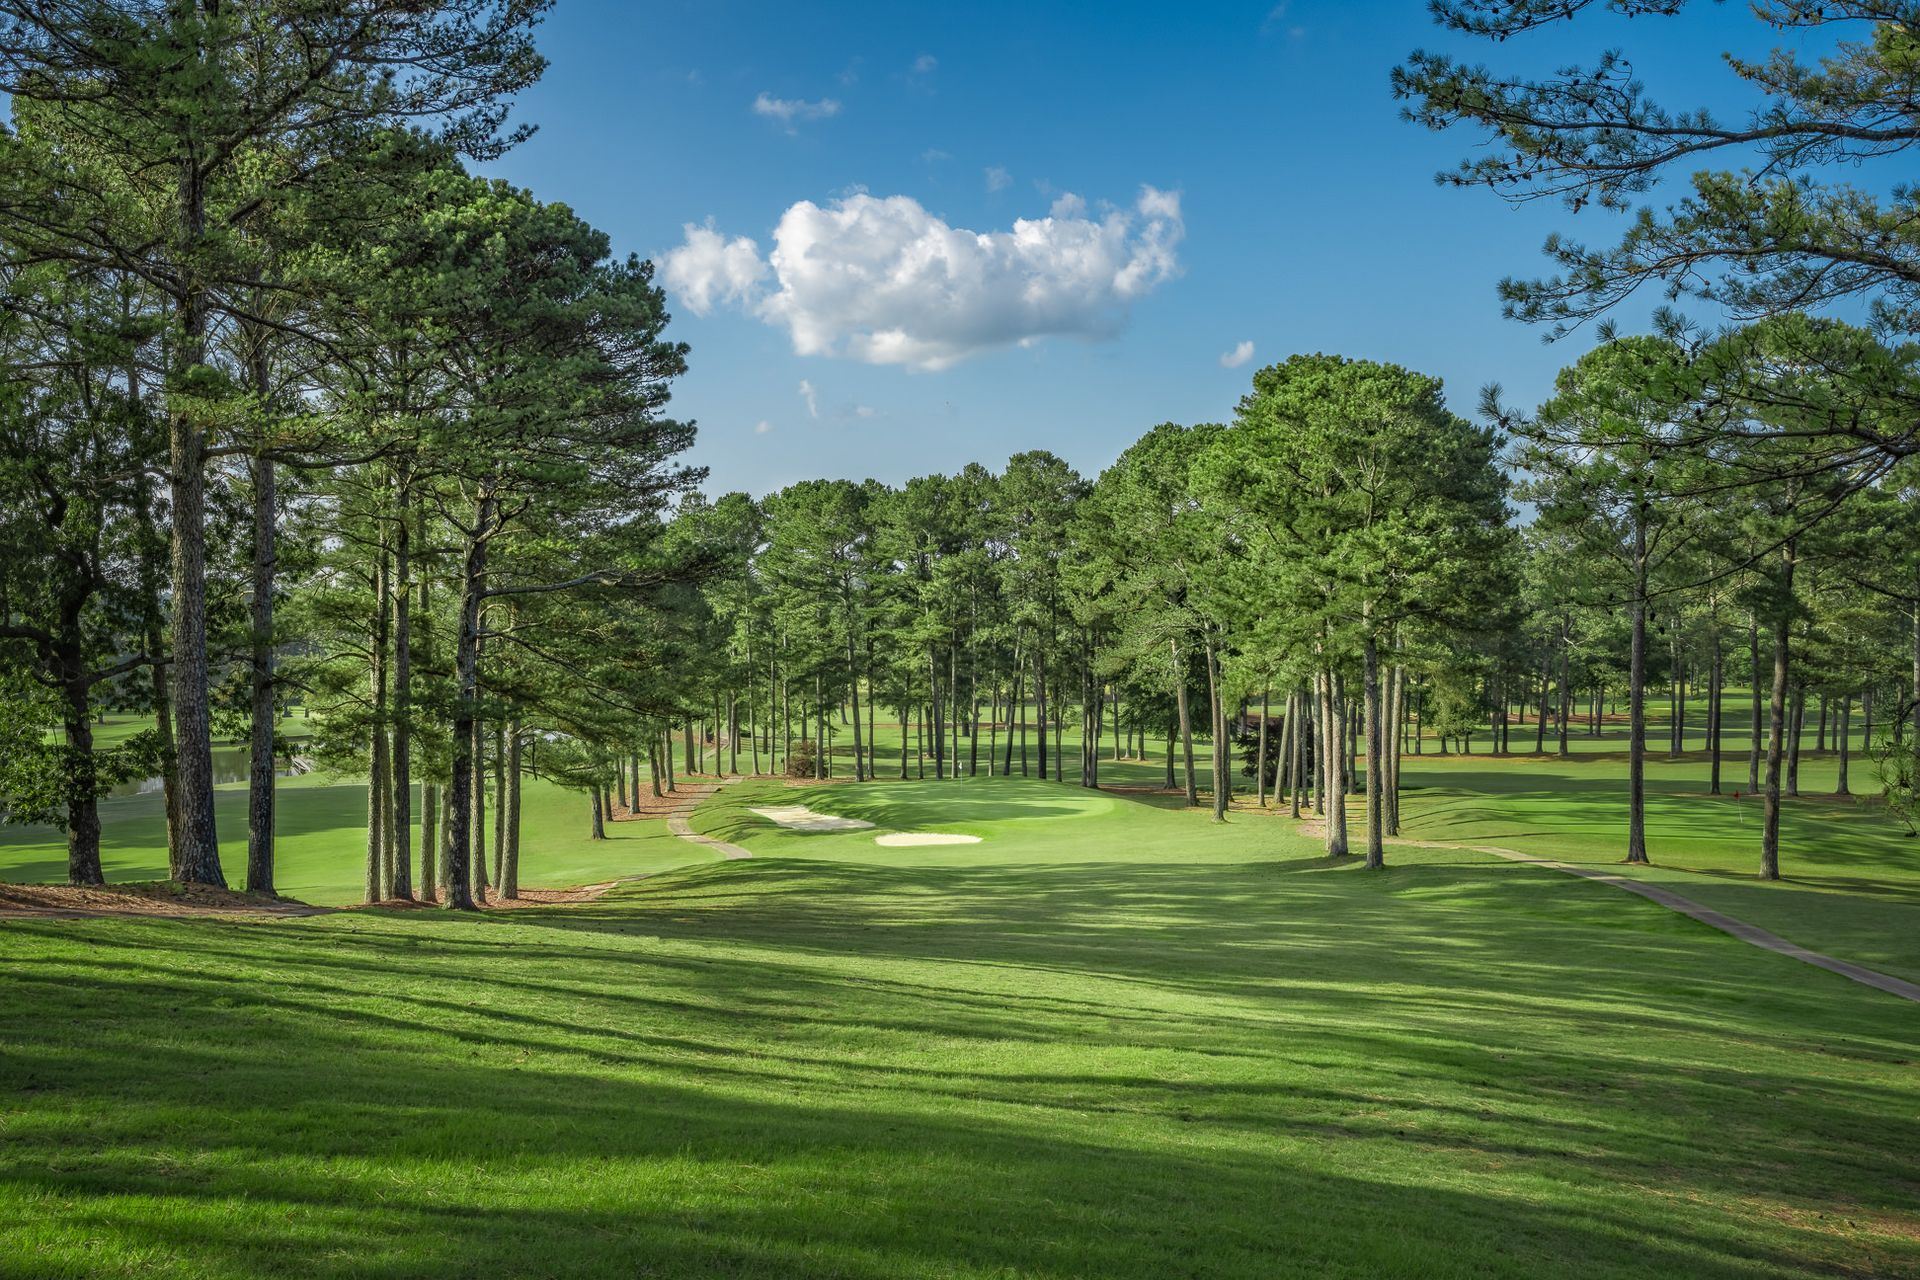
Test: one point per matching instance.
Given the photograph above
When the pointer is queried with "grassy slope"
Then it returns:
(1110, 1040)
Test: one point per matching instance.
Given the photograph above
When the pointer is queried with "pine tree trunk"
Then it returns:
(458, 894)
(153, 625)
(1260, 752)
(1715, 674)
(499, 800)
(510, 864)
(1184, 716)
(1297, 710)
(1318, 727)
(260, 753)
(1776, 720)
(1336, 771)
(1845, 743)
(1753, 750)
(1376, 756)
(1546, 689)
(446, 859)
(197, 856)
(1676, 707)
(1014, 711)
(377, 760)
(1796, 728)
(993, 729)
(819, 727)
(401, 886)
(1566, 686)
(1040, 709)
(1222, 774)
(83, 804)
(1396, 725)
(1637, 695)
(953, 703)
(935, 730)
(1916, 657)
(480, 880)
(1173, 734)
(429, 837)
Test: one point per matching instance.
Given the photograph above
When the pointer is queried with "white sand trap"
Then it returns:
(899, 838)
(797, 817)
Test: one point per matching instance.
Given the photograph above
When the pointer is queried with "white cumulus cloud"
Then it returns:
(884, 281)
(998, 179)
(708, 268)
(1238, 356)
(790, 112)
(812, 399)
(761, 427)
(925, 64)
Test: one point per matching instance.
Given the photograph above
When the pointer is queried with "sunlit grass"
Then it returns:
(1112, 1039)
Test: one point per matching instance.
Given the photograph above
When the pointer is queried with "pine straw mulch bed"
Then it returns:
(151, 898)
(647, 805)
(164, 900)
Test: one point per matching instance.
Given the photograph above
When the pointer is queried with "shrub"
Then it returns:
(800, 760)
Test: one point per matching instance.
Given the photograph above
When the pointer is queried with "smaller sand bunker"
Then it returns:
(899, 838)
(797, 817)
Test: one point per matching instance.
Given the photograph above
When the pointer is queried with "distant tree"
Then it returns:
(1603, 480)
(1143, 532)
(1381, 507)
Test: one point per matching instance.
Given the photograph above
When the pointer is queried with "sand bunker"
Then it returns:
(797, 817)
(899, 838)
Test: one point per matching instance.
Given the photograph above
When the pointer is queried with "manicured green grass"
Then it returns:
(117, 728)
(1110, 1040)
(1852, 876)
(1852, 887)
(320, 853)
(1851, 882)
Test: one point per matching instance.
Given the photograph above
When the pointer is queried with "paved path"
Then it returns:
(1751, 934)
(677, 824)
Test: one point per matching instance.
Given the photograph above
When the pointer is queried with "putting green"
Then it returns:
(1015, 812)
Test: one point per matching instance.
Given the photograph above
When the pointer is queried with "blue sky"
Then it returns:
(1307, 216)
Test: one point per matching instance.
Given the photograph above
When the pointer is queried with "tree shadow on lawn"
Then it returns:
(396, 1102)
(1494, 931)
(1487, 808)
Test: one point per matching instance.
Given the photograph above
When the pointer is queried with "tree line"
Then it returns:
(301, 411)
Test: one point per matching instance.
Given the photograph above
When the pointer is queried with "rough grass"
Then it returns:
(1111, 1040)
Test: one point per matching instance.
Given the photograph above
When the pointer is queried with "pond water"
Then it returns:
(229, 765)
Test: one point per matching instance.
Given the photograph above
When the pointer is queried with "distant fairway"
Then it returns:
(1851, 887)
